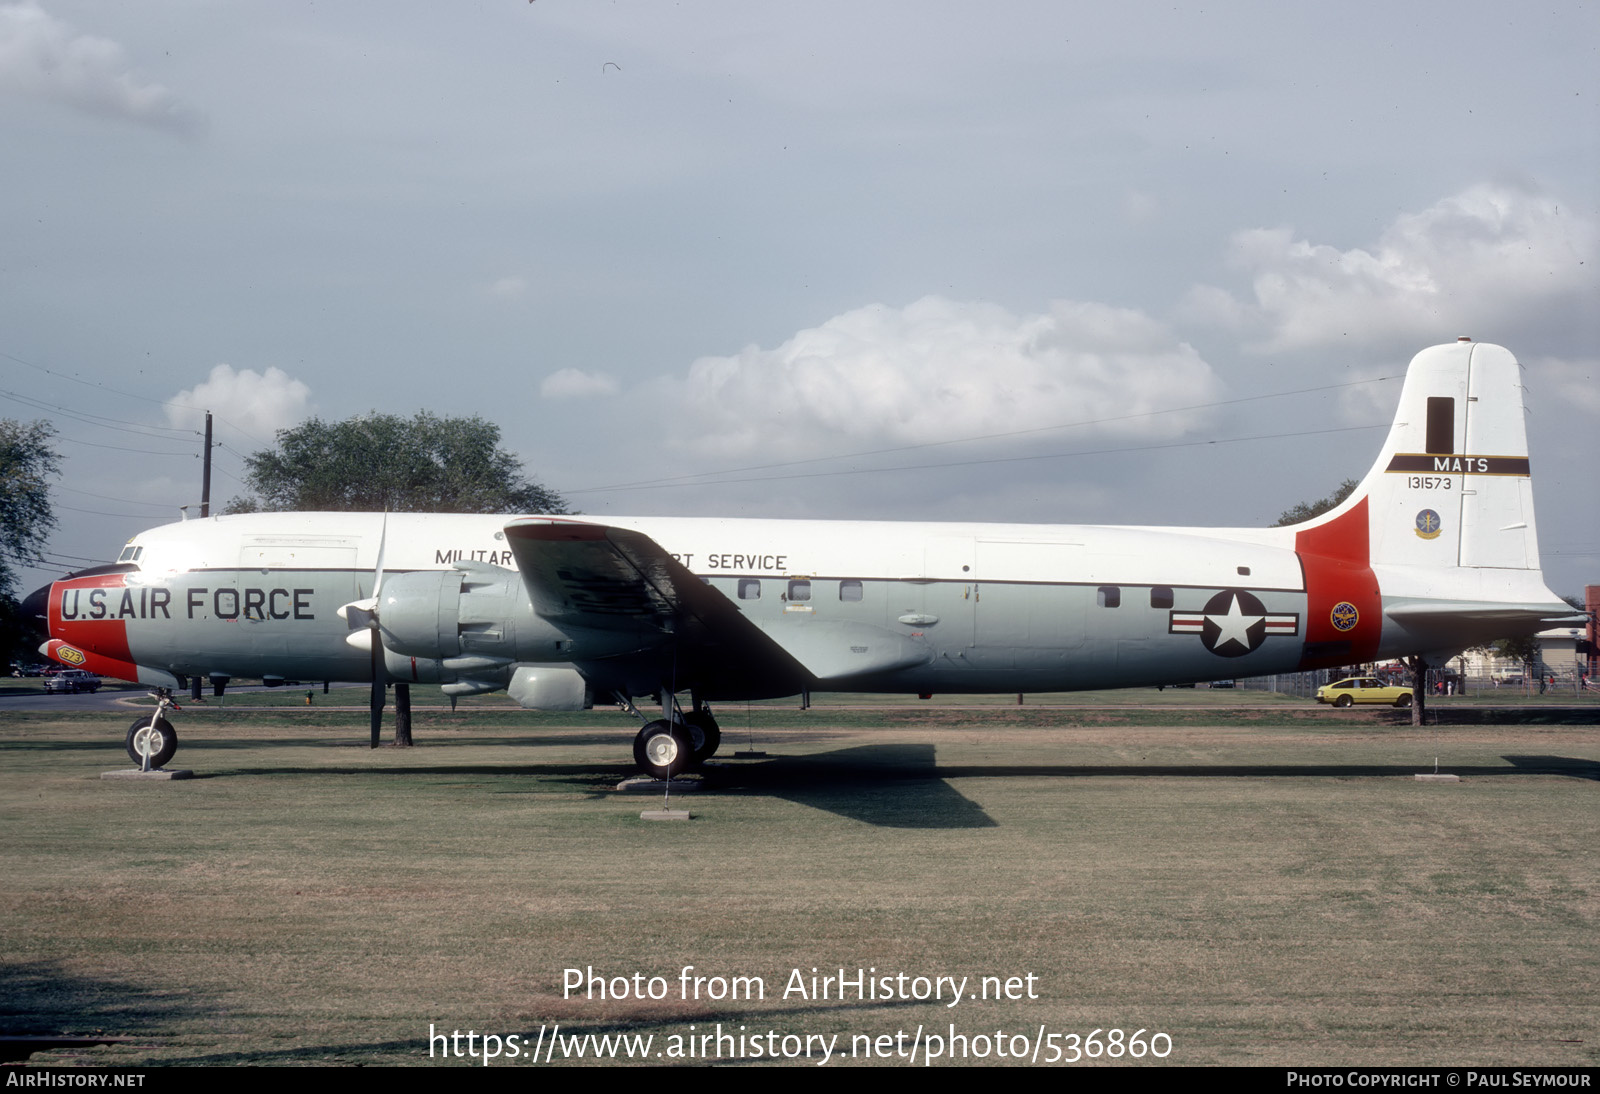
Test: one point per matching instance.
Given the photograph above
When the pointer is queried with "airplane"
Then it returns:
(1434, 552)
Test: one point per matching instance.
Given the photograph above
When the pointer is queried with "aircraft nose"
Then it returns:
(36, 605)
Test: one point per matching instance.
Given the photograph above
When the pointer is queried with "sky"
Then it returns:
(1127, 264)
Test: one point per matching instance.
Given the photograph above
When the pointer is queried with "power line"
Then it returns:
(101, 513)
(125, 448)
(994, 459)
(132, 395)
(109, 497)
(712, 476)
(99, 420)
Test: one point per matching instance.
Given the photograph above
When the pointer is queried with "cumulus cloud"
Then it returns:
(257, 403)
(1480, 260)
(571, 383)
(940, 370)
(44, 57)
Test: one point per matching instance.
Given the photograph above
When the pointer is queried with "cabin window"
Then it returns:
(1244, 571)
(850, 590)
(1161, 597)
(749, 588)
(1110, 596)
(799, 590)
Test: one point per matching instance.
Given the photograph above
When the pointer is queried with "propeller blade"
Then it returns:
(379, 685)
(383, 539)
(369, 609)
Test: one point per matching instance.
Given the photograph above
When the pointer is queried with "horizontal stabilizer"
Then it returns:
(1485, 612)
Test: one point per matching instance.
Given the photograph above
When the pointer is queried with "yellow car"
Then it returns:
(1363, 689)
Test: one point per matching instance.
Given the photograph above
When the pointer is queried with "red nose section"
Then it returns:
(88, 624)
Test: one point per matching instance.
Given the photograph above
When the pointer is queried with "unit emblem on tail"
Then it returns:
(1344, 616)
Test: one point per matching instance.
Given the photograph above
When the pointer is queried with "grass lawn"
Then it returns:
(1264, 889)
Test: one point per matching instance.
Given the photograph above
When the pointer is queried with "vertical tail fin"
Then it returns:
(1436, 550)
(1451, 487)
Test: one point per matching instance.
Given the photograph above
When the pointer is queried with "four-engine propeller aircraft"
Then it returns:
(1434, 552)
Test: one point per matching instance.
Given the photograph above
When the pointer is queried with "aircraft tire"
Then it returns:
(1344, 701)
(704, 735)
(1403, 702)
(160, 739)
(663, 749)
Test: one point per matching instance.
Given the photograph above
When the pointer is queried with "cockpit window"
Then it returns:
(130, 553)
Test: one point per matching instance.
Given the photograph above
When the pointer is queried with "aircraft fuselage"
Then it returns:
(873, 605)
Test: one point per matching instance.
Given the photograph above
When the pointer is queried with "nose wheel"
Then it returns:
(152, 737)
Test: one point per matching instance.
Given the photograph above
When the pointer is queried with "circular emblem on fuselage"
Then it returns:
(1428, 524)
(1235, 623)
(1344, 616)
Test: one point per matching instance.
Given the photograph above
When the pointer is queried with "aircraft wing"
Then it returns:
(598, 576)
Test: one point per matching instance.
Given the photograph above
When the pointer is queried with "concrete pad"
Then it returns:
(160, 775)
(643, 784)
(1438, 778)
(664, 815)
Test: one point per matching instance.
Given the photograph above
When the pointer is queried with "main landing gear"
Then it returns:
(667, 747)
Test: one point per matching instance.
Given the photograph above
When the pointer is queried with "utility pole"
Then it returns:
(205, 511)
(205, 472)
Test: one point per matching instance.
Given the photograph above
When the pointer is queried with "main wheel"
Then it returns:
(1403, 702)
(158, 740)
(663, 749)
(705, 736)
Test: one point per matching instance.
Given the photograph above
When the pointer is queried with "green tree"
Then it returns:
(424, 464)
(27, 462)
(1526, 650)
(1308, 509)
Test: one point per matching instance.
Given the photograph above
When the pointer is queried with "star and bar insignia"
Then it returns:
(1233, 623)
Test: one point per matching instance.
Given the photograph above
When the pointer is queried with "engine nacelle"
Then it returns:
(474, 610)
(473, 629)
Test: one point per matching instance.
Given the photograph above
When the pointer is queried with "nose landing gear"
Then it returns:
(151, 741)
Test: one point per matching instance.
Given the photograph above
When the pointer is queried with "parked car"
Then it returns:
(1363, 689)
(72, 680)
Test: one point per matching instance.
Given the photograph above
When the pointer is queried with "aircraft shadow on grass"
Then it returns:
(1556, 765)
(890, 786)
(43, 1006)
(904, 785)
